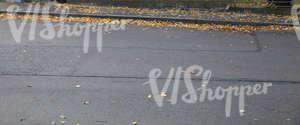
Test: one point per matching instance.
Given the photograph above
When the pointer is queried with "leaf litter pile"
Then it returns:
(154, 23)
(166, 11)
(191, 13)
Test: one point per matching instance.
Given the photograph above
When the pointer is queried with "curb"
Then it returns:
(186, 20)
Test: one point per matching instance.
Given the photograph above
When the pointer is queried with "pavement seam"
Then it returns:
(278, 82)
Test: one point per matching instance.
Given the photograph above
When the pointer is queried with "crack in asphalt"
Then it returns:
(217, 79)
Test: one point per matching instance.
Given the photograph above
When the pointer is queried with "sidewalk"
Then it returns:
(191, 15)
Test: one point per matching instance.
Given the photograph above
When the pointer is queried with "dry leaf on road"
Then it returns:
(133, 123)
(164, 94)
(62, 116)
(85, 102)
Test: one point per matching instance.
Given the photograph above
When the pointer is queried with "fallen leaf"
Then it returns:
(62, 116)
(133, 123)
(164, 94)
(85, 102)
(126, 21)
(242, 111)
(204, 83)
(22, 119)
(77, 86)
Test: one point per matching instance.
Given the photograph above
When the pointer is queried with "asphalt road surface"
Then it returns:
(39, 77)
